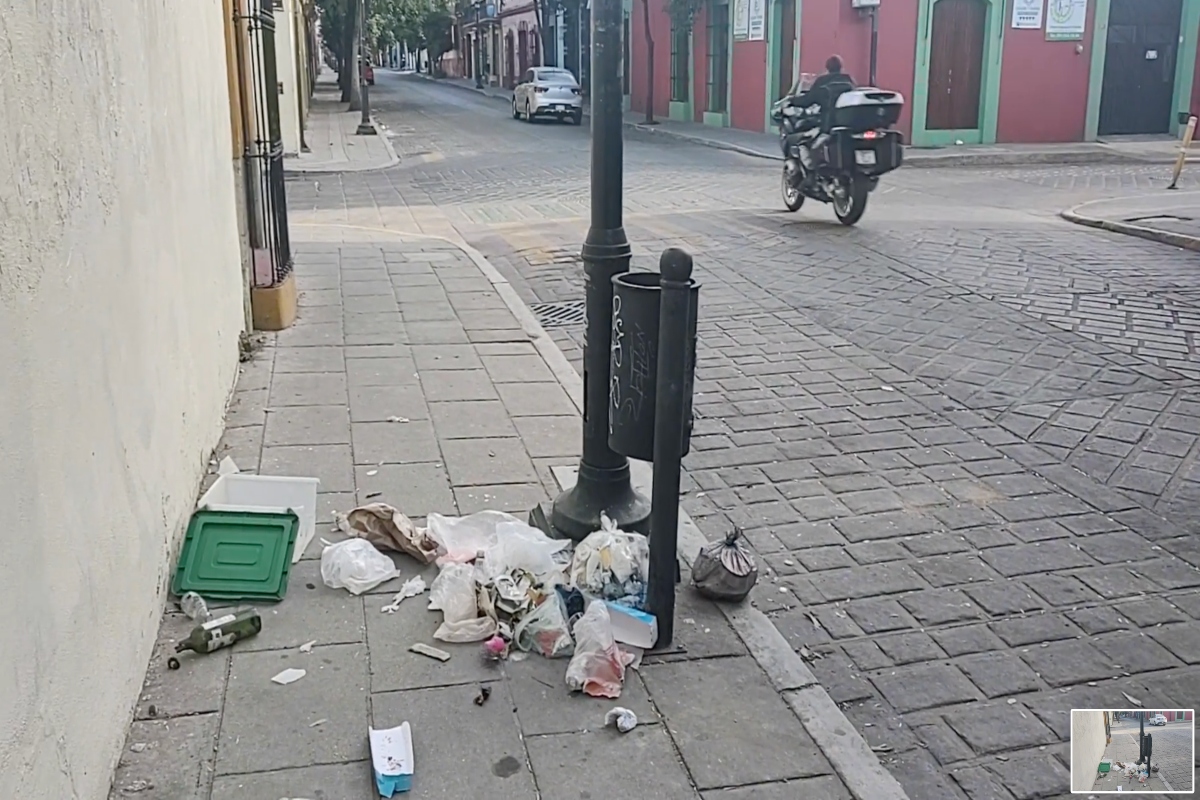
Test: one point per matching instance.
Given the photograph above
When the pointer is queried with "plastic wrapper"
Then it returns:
(356, 565)
(545, 629)
(453, 593)
(612, 564)
(598, 666)
(725, 570)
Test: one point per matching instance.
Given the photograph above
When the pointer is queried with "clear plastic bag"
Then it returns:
(598, 666)
(355, 565)
(545, 629)
(453, 593)
(462, 539)
(612, 564)
(523, 548)
(725, 570)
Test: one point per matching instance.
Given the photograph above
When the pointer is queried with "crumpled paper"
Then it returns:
(388, 529)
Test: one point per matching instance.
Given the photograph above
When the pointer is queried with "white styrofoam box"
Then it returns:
(268, 494)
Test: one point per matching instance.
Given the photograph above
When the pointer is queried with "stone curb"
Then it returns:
(849, 754)
(1181, 240)
(329, 167)
(1098, 156)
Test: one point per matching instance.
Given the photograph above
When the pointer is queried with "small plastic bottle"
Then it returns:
(194, 606)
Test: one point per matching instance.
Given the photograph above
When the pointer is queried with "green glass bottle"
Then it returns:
(222, 631)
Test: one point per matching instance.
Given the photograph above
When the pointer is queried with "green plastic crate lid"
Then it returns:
(237, 555)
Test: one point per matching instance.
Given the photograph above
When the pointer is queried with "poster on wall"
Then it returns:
(1065, 19)
(758, 20)
(1027, 14)
(741, 19)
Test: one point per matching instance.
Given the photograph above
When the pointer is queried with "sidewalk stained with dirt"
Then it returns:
(408, 381)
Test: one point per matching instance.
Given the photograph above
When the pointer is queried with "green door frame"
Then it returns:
(679, 110)
(989, 90)
(774, 46)
(720, 119)
(1185, 65)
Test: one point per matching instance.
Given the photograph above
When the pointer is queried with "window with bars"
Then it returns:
(718, 58)
(681, 57)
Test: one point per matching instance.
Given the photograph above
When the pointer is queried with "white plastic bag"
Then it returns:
(463, 538)
(356, 565)
(545, 629)
(611, 563)
(522, 547)
(453, 593)
(598, 666)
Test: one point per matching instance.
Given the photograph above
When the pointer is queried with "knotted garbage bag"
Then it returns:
(725, 570)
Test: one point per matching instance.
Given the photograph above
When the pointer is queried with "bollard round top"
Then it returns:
(675, 265)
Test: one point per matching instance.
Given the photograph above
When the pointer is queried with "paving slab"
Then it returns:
(642, 763)
(318, 719)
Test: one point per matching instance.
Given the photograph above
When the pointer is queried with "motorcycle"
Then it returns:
(837, 155)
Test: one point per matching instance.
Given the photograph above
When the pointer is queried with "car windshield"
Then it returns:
(556, 75)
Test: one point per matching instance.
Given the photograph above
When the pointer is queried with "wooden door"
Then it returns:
(1139, 67)
(523, 48)
(787, 47)
(956, 49)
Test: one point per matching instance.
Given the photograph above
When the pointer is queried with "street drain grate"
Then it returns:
(560, 315)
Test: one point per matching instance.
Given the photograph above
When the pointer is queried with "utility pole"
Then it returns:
(478, 44)
(365, 128)
(603, 484)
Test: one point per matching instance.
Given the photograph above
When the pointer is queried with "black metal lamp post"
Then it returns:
(365, 128)
(603, 483)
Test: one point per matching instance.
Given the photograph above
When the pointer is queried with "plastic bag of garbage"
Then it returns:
(522, 548)
(453, 593)
(598, 666)
(545, 629)
(725, 570)
(355, 565)
(612, 564)
(462, 539)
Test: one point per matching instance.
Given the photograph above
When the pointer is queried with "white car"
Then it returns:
(548, 92)
(1158, 719)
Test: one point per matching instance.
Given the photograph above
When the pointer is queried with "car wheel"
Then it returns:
(516, 114)
(528, 112)
(577, 118)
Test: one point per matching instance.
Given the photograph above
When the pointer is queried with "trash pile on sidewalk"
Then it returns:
(511, 587)
(501, 583)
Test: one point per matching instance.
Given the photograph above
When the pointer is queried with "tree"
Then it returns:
(339, 21)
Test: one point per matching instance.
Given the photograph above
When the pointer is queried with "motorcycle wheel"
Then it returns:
(792, 197)
(851, 203)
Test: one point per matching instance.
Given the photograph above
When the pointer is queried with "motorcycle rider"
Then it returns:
(820, 94)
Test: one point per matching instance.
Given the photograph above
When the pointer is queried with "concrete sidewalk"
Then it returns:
(331, 135)
(766, 145)
(1169, 217)
(415, 377)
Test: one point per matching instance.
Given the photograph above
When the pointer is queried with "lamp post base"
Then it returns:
(576, 512)
(365, 129)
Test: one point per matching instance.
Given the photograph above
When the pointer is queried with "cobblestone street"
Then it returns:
(961, 437)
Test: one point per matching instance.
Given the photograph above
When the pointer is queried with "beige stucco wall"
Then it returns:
(1087, 747)
(120, 308)
(285, 66)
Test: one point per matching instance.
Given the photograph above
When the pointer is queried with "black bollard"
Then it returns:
(672, 390)
(603, 484)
